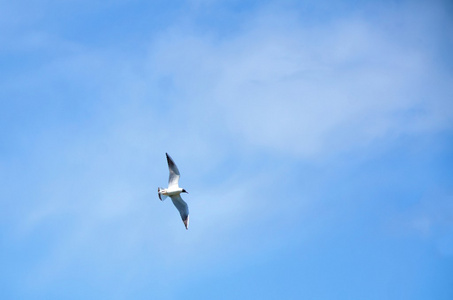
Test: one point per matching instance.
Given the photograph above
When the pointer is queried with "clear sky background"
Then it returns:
(315, 139)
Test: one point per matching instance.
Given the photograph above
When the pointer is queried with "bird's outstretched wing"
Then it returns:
(183, 209)
(174, 172)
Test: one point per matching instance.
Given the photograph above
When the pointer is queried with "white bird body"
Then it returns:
(171, 191)
(174, 191)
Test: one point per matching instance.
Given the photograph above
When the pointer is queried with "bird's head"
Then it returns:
(184, 191)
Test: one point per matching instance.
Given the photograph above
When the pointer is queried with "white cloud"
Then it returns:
(308, 90)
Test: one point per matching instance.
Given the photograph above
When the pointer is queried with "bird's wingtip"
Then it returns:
(186, 223)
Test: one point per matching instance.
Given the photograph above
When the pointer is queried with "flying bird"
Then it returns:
(174, 191)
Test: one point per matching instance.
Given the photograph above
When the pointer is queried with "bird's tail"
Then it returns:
(161, 197)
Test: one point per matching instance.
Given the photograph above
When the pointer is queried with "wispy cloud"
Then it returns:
(307, 91)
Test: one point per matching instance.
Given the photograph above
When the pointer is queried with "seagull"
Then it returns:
(173, 191)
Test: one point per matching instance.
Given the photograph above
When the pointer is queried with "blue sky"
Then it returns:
(315, 139)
